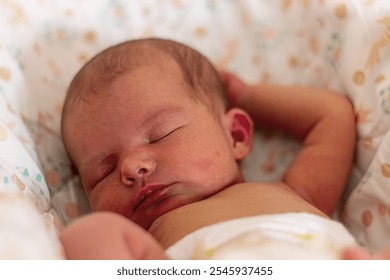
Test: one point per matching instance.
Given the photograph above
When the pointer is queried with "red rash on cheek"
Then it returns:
(205, 164)
(208, 163)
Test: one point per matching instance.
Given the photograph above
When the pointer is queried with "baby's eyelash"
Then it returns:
(164, 135)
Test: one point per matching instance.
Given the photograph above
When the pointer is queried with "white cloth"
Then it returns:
(26, 233)
(277, 236)
(367, 210)
(341, 45)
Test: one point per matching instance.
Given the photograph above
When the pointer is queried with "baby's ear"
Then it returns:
(240, 127)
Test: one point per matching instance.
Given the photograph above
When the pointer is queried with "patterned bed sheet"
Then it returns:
(342, 45)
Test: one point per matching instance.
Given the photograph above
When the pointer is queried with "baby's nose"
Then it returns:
(134, 170)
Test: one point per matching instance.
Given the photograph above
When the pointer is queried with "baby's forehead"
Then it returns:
(109, 68)
(135, 81)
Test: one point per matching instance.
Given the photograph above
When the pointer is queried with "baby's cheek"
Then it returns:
(111, 200)
(204, 164)
(209, 161)
(100, 201)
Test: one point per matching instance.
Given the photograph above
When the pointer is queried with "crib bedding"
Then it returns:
(342, 45)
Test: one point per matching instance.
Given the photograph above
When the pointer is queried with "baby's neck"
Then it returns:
(237, 201)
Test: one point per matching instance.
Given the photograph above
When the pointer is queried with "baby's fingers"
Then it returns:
(355, 253)
(233, 86)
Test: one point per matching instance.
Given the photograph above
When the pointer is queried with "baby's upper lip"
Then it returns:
(147, 191)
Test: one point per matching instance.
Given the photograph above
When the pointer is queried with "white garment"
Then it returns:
(277, 236)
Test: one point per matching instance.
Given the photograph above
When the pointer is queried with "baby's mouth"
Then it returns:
(150, 195)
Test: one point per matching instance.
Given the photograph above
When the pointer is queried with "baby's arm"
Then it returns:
(108, 236)
(324, 121)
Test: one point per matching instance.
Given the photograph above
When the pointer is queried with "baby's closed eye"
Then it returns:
(102, 171)
(163, 134)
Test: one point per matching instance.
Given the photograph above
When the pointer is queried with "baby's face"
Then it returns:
(145, 147)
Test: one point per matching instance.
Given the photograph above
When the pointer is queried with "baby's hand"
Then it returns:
(357, 253)
(233, 86)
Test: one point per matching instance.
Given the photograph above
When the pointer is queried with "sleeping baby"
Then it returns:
(157, 134)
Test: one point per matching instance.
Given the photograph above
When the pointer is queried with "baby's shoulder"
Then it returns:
(253, 187)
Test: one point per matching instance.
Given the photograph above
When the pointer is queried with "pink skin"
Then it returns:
(234, 87)
(357, 253)
(144, 147)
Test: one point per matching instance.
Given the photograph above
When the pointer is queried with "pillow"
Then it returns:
(29, 224)
(25, 233)
(367, 211)
(341, 45)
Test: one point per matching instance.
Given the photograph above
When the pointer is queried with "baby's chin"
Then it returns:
(146, 218)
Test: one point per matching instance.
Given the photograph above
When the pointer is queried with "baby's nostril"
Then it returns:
(142, 171)
(130, 180)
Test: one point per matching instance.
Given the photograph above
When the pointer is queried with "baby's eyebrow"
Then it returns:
(160, 112)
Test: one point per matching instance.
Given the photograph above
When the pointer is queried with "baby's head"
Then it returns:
(148, 127)
(197, 72)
